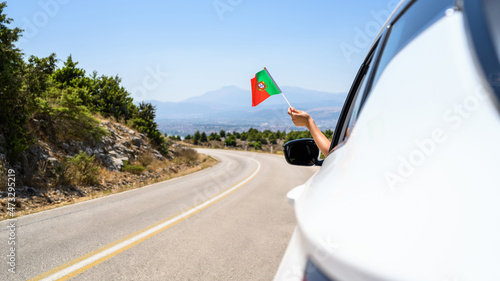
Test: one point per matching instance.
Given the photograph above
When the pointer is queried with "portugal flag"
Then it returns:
(263, 86)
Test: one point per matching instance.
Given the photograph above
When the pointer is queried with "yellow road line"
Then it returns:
(81, 264)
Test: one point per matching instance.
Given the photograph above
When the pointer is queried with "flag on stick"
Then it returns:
(263, 86)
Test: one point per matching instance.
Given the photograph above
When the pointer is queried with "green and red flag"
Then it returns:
(263, 86)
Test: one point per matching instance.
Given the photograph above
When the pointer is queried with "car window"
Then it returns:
(409, 24)
(414, 19)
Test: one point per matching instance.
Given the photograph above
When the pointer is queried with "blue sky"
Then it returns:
(172, 50)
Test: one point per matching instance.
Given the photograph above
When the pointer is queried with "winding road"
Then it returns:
(228, 222)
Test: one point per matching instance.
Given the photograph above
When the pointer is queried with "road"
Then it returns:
(154, 233)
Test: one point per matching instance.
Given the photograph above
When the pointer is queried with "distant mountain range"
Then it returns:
(230, 108)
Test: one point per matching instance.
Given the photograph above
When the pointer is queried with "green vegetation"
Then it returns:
(254, 138)
(133, 169)
(41, 100)
(81, 169)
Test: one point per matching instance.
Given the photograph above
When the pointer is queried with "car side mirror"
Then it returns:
(302, 152)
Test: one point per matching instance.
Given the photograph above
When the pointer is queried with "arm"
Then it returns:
(302, 119)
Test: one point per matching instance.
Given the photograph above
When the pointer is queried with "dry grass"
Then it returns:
(3, 174)
(104, 175)
(35, 174)
(145, 159)
(186, 155)
(155, 165)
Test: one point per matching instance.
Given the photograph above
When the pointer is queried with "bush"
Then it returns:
(63, 173)
(71, 120)
(145, 159)
(133, 169)
(86, 168)
(188, 154)
(81, 169)
(256, 145)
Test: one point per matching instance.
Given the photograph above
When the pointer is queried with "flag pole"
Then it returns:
(278, 87)
(285, 99)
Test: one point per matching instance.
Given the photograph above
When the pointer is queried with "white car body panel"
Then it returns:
(413, 194)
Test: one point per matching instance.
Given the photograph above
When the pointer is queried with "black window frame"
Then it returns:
(370, 60)
(479, 27)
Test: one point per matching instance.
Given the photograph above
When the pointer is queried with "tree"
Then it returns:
(272, 138)
(144, 121)
(37, 76)
(214, 136)
(243, 136)
(13, 105)
(222, 133)
(231, 141)
(203, 137)
(328, 133)
(111, 99)
(70, 75)
(196, 137)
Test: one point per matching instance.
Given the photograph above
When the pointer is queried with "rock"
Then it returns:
(65, 146)
(117, 164)
(120, 147)
(77, 191)
(105, 141)
(116, 154)
(32, 190)
(112, 161)
(53, 161)
(124, 159)
(157, 155)
(89, 151)
(136, 141)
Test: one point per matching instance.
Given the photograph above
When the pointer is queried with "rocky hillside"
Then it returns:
(54, 172)
(122, 145)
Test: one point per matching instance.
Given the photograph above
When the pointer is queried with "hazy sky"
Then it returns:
(172, 50)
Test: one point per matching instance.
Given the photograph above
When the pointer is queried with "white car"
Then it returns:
(409, 190)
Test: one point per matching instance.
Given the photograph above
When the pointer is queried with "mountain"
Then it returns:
(229, 108)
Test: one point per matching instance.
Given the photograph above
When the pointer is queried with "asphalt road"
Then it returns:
(153, 233)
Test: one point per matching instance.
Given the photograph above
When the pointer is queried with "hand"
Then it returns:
(300, 118)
